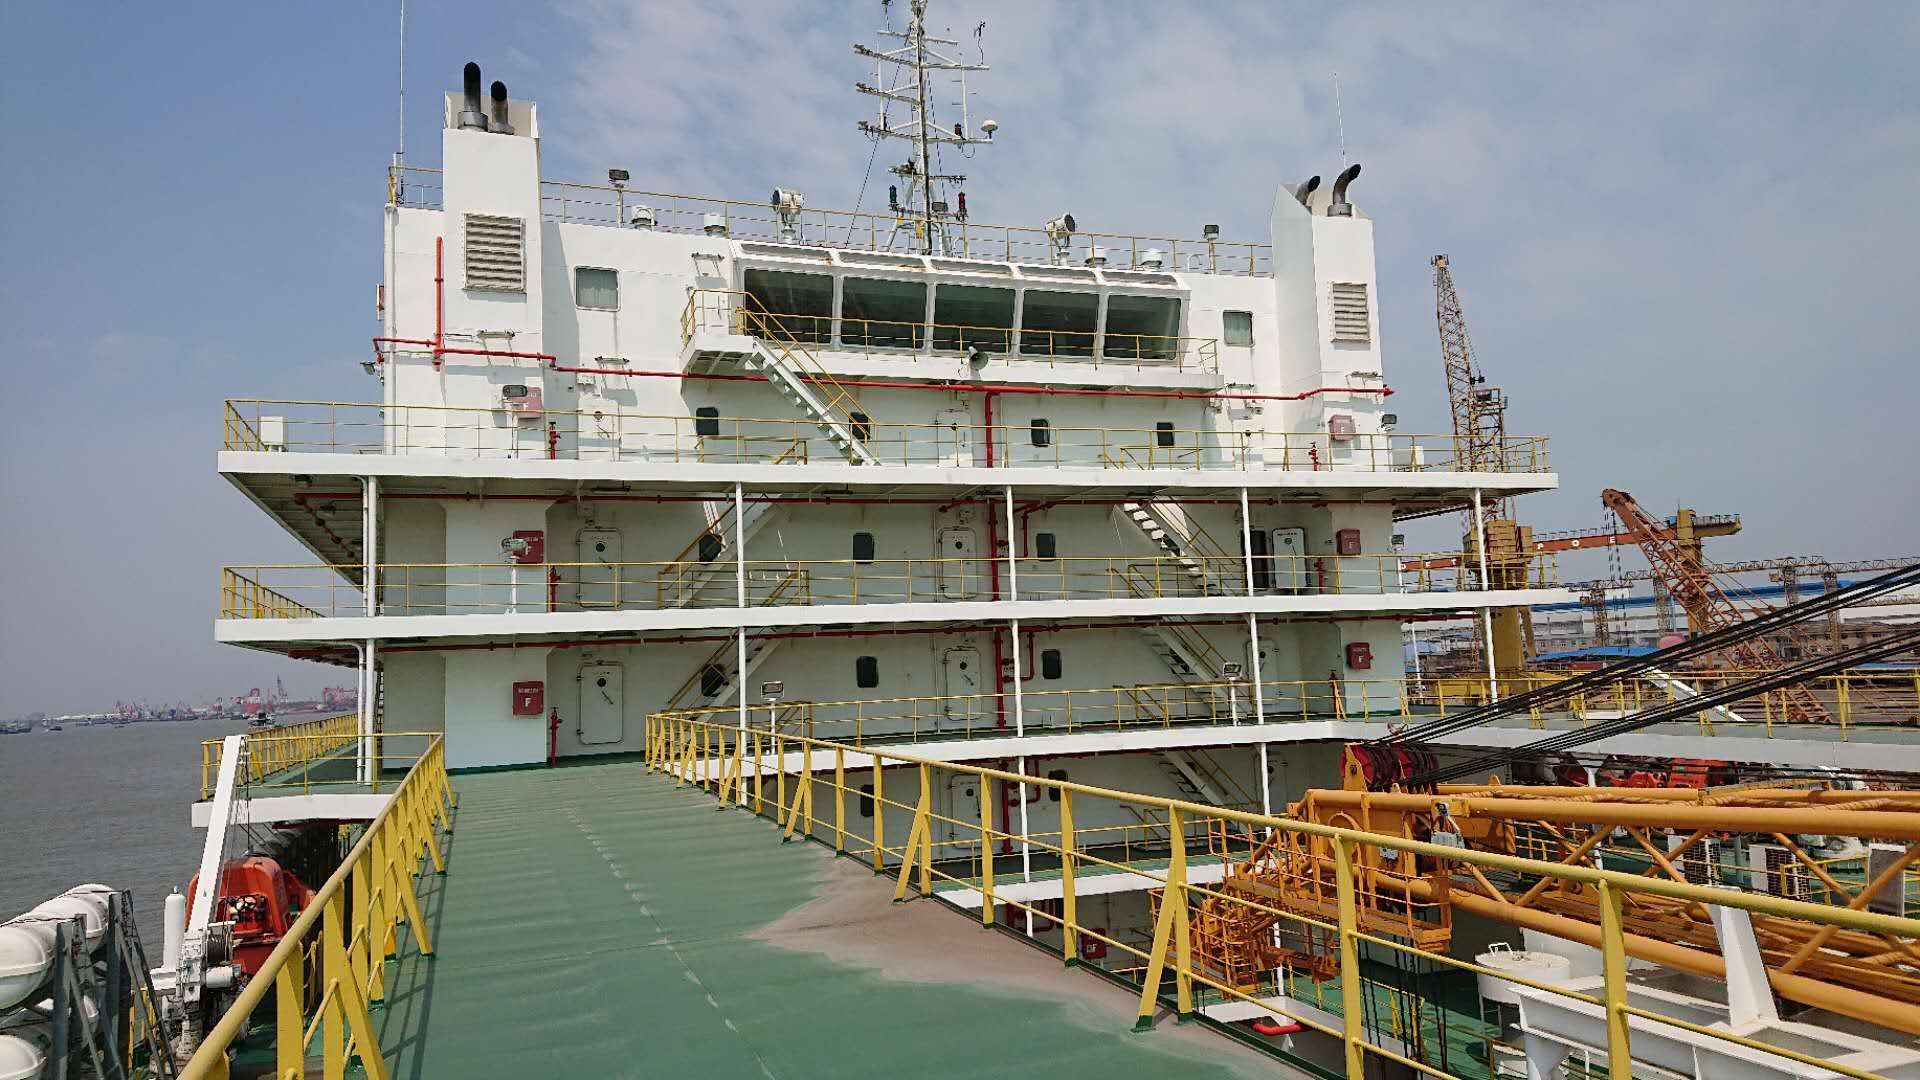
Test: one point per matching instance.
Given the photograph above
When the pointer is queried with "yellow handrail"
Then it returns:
(354, 940)
(709, 756)
(611, 434)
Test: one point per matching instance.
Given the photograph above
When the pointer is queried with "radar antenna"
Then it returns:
(900, 78)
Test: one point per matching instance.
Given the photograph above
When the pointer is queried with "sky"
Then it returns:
(1684, 236)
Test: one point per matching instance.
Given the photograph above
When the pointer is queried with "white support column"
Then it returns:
(740, 598)
(370, 544)
(1019, 703)
(1253, 631)
(1486, 614)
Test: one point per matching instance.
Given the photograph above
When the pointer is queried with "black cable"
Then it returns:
(1759, 684)
(1775, 620)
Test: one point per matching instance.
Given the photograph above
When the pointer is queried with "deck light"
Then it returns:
(619, 176)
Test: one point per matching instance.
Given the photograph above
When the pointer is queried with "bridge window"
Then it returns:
(1142, 327)
(596, 288)
(972, 317)
(1050, 663)
(866, 672)
(706, 421)
(1058, 323)
(799, 306)
(863, 547)
(882, 314)
(1236, 327)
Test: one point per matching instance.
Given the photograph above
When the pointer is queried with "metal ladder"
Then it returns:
(1166, 527)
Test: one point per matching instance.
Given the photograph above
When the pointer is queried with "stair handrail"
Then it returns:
(1194, 540)
(751, 316)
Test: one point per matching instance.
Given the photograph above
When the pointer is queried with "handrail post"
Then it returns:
(879, 817)
(1353, 1033)
(1614, 966)
(1069, 905)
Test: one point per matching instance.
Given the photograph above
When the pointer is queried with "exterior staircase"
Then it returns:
(700, 563)
(1198, 779)
(720, 672)
(1212, 571)
(720, 328)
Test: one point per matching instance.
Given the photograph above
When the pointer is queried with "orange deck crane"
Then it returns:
(1689, 579)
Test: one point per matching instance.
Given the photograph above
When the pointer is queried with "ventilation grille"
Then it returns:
(1352, 321)
(495, 253)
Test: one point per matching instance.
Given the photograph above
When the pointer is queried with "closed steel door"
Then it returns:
(603, 704)
(959, 567)
(599, 569)
(960, 681)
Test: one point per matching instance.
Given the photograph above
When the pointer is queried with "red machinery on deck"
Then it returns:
(262, 899)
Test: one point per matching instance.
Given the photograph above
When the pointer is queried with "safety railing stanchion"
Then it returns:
(839, 800)
(879, 816)
(1170, 933)
(1069, 903)
(985, 788)
(1614, 968)
(1353, 1033)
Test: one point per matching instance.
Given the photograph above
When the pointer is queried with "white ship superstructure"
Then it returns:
(634, 452)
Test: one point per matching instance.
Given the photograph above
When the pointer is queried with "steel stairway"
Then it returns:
(701, 562)
(720, 672)
(1167, 527)
(748, 336)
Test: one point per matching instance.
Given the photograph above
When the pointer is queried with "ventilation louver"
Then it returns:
(496, 258)
(1352, 321)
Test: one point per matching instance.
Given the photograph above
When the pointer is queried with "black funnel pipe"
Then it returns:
(1305, 188)
(471, 118)
(500, 123)
(1340, 207)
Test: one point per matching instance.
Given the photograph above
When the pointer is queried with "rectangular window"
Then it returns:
(1053, 794)
(1163, 433)
(596, 288)
(866, 800)
(1050, 663)
(1045, 546)
(1042, 431)
(882, 314)
(862, 425)
(1142, 327)
(496, 253)
(710, 546)
(706, 421)
(1352, 319)
(1236, 327)
(797, 306)
(712, 680)
(866, 672)
(972, 317)
(863, 547)
(1058, 323)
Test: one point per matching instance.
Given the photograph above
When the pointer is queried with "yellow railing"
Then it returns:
(900, 832)
(309, 591)
(281, 749)
(322, 427)
(1852, 698)
(243, 597)
(602, 204)
(729, 311)
(331, 965)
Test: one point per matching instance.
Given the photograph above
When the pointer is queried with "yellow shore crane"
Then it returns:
(1479, 431)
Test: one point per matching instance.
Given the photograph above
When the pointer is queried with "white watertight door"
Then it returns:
(960, 681)
(958, 565)
(603, 700)
(599, 560)
(956, 436)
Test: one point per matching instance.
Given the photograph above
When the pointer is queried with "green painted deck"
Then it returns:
(598, 921)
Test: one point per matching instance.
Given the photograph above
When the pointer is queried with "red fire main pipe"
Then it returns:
(683, 639)
(974, 388)
(439, 300)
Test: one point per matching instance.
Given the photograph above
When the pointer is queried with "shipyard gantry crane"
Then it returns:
(1479, 432)
(1689, 579)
